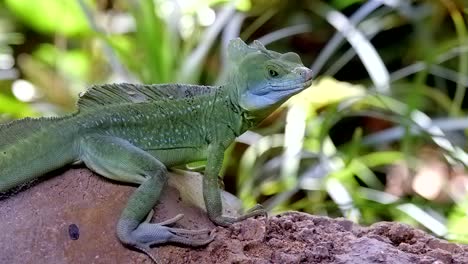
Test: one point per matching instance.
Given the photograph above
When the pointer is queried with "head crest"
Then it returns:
(237, 50)
(257, 44)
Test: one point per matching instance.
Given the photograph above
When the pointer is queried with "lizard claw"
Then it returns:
(257, 210)
(172, 220)
(180, 237)
(146, 251)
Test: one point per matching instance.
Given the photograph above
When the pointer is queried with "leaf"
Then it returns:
(327, 91)
(342, 4)
(51, 16)
(457, 220)
(155, 49)
(15, 108)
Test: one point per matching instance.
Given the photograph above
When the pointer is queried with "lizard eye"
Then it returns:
(273, 73)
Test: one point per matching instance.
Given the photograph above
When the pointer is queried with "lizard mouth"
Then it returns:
(275, 93)
(290, 86)
(303, 81)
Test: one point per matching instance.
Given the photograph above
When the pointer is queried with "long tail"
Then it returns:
(29, 148)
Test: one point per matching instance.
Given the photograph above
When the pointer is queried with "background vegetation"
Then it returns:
(380, 135)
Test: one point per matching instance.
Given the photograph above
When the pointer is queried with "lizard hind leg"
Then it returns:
(118, 159)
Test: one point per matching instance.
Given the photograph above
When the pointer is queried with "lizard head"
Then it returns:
(265, 79)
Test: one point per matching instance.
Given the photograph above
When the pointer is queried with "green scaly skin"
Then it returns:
(132, 133)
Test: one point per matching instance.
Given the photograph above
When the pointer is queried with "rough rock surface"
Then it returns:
(38, 224)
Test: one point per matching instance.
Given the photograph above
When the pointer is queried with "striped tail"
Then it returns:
(29, 148)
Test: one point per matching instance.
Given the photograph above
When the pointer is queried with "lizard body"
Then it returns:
(132, 133)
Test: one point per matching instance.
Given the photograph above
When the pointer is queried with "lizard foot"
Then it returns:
(144, 235)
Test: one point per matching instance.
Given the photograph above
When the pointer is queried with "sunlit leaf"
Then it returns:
(457, 220)
(327, 91)
(342, 4)
(14, 108)
(51, 16)
(192, 6)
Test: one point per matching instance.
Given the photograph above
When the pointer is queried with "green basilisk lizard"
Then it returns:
(133, 133)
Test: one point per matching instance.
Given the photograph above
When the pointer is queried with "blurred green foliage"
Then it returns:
(386, 142)
(51, 17)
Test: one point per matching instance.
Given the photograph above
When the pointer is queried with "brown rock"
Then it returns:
(71, 219)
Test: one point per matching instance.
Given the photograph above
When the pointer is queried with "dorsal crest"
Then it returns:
(123, 93)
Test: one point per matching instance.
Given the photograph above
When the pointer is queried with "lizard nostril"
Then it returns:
(306, 73)
(309, 74)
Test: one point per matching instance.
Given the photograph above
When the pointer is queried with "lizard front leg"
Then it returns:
(211, 192)
(118, 159)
